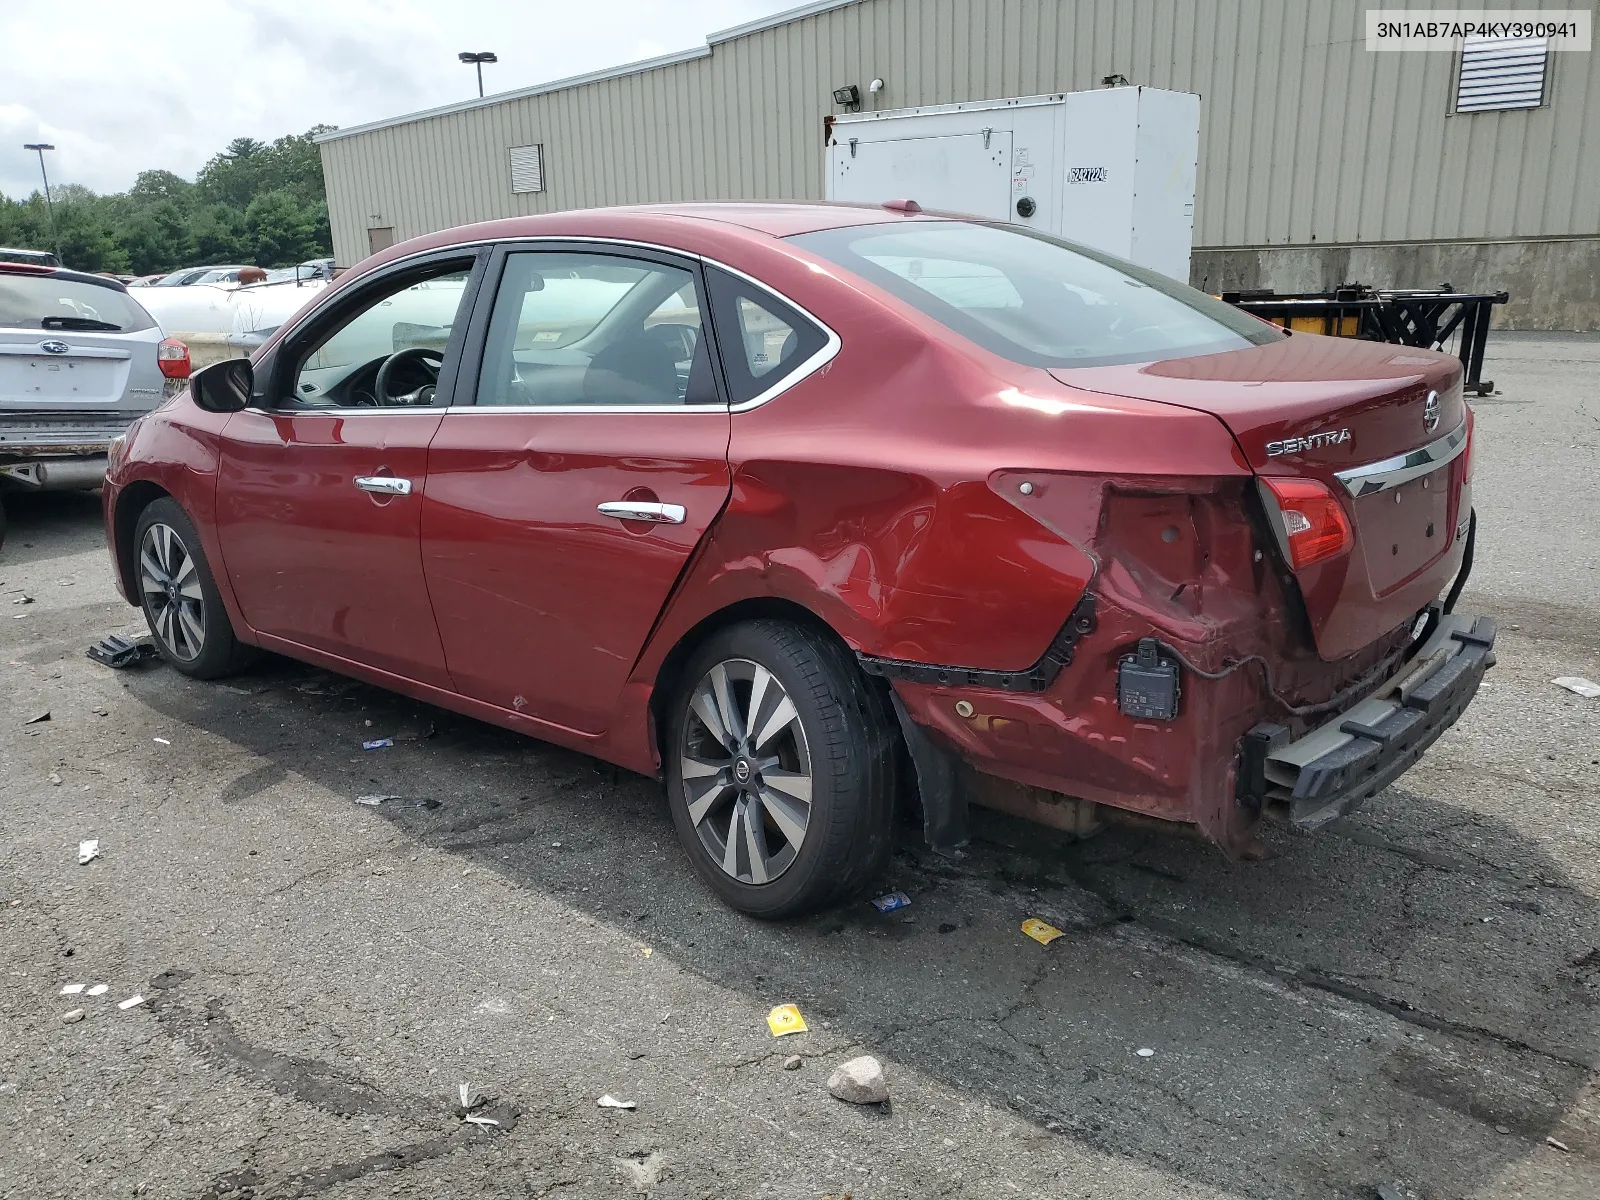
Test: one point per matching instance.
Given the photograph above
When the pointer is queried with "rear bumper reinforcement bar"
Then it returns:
(1336, 767)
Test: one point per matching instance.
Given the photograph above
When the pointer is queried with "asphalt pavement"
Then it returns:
(1409, 998)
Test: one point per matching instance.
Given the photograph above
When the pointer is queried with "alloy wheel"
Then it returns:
(170, 580)
(746, 769)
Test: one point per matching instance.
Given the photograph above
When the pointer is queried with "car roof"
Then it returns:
(31, 271)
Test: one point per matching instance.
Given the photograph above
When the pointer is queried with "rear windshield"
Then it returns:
(49, 302)
(1035, 299)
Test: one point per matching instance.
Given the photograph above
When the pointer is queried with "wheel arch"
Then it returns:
(669, 675)
(134, 498)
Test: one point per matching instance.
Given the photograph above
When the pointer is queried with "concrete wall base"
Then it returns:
(1554, 283)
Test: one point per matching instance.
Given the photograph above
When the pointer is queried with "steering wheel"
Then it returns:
(418, 355)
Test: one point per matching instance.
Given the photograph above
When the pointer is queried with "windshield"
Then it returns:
(50, 302)
(1035, 299)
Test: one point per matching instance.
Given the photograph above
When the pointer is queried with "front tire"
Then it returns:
(781, 769)
(179, 595)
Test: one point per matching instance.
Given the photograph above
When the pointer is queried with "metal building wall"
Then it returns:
(1307, 137)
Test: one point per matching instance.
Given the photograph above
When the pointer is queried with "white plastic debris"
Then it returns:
(72, 1017)
(610, 1101)
(472, 1120)
(88, 851)
(469, 1097)
(162, 742)
(793, 1063)
(1586, 688)
(131, 1002)
(1145, 1052)
(1554, 1144)
(99, 989)
(860, 1081)
(72, 989)
(55, 778)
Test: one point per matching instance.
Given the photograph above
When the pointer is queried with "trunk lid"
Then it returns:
(1330, 409)
(46, 370)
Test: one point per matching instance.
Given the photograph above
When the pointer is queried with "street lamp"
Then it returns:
(39, 148)
(478, 60)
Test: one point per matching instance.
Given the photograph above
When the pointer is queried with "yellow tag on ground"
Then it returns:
(784, 1019)
(1040, 932)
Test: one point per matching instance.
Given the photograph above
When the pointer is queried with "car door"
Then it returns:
(583, 461)
(320, 489)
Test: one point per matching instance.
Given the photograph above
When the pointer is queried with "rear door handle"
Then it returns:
(384, 485)
(639, 510)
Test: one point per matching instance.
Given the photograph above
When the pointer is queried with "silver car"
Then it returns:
(79, 359)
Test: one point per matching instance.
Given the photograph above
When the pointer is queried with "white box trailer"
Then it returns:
(1113, 169)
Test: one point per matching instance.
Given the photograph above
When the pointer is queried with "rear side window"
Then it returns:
(53, 303)
(763, 340)
(1035, 299)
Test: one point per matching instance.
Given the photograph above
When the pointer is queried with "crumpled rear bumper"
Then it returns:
(1336, 767)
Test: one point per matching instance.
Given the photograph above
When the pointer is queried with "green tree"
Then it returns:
(254, 200)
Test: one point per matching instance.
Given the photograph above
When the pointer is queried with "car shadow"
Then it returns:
(1412, 994)
(45, 525)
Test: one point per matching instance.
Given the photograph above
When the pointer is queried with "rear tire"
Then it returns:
(180, 598)
(777, 745)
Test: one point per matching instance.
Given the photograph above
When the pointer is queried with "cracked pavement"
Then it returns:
(1411, 995)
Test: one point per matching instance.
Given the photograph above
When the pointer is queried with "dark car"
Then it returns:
(788, 504)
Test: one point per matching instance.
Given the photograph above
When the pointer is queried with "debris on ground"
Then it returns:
(1395, 1191)
(119, 653)
(1041, 931)
(793, 1063)
(1587, 688)
(1558, 1145)
(892, 902)
(610, 1101)
(471, 1098)
(72, 989)
(860, 1081)
(131, 1002)
(88, 851)
(642, 1170)
(377, 744)
(55, 778)
(377, 801)
(170, 978)
(99, 989)
(72, 1017)
(1145, 1052)
(23, 599)
(38, 720)
(473, 1120)
(785, 1019)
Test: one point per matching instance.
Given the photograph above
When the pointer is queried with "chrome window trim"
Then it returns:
(801, 371)
(1388, 473)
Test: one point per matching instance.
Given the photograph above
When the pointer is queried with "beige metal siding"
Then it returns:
(1306, 137)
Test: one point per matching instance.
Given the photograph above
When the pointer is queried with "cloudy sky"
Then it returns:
(121, 86)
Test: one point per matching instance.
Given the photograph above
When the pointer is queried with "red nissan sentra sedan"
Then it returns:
(789, 503)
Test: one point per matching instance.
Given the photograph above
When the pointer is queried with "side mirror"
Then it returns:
(223, 387)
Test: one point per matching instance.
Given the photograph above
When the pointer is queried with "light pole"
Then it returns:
(478, 60)
(39, 148)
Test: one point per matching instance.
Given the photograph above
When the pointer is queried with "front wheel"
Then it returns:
(780, 769)
(180, 598)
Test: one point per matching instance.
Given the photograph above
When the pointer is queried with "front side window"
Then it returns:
(595, 330)
(388, 353)
(1035, 299)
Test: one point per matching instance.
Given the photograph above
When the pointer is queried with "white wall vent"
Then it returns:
(1501, 73)
(527, 168)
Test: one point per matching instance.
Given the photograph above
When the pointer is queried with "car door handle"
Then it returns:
(384, 485)
(640, 510)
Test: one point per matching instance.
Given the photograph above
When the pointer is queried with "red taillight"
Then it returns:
(1314, 523)
(173, 357)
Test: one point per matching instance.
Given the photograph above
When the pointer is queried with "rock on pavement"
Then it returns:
(860, 1081)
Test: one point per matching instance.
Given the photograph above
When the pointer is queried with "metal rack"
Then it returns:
(1438, 319)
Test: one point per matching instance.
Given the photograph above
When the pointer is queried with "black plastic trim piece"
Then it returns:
(944, 804)
(1036, 678)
